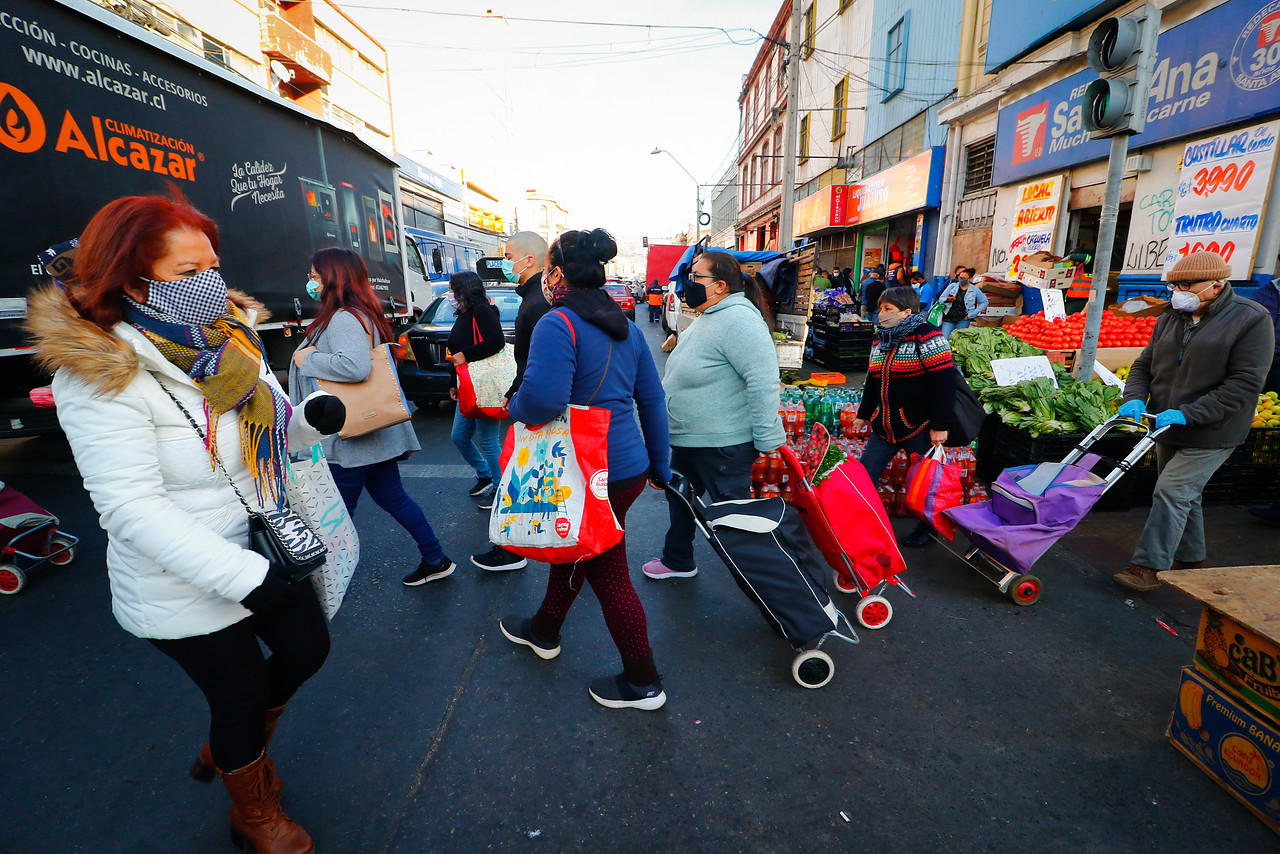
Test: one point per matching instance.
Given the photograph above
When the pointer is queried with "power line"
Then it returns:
(524, 20)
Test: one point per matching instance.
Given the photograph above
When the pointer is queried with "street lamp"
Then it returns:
(697, 190)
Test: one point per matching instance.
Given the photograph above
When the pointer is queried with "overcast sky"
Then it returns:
(571, 109)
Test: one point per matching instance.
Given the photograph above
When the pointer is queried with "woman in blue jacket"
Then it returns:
(585, 351)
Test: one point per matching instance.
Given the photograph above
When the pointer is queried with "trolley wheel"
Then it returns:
(813, 668)
(13, 579)
(873, 612)
(56, 544)
(842, 584)
(1025, 590)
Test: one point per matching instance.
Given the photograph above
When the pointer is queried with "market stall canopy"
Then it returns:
(680, 273)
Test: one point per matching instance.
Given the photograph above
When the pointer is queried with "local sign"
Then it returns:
(1220, 67)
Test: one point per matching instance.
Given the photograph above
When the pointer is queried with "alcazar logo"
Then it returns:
(21, 125)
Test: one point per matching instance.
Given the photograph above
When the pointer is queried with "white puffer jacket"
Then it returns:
(177, 536)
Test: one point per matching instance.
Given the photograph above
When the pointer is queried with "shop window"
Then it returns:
(838, 108)
(979, 165)
(912, 143)
(895, 59)
(807, 42)
(804, 138)
(773, 165)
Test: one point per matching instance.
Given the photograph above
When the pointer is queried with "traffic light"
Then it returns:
(1123, 51)
(645, 241)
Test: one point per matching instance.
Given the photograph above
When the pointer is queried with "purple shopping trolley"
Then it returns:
(1033, 506)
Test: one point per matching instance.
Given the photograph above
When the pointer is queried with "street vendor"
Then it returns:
(1200, 374)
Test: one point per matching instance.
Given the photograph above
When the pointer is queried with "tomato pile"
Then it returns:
(1069, 334)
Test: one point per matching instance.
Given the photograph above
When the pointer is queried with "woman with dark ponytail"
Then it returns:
(721, 386)
(585, 351)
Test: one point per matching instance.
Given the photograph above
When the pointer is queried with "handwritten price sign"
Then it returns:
(1220, 196)
(1223, 178)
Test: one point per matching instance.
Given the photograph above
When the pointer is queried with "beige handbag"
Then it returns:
(372, 403)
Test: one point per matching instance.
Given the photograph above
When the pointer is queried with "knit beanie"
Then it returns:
(1200, 267)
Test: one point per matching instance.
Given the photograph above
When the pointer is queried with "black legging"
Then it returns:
(241, 684)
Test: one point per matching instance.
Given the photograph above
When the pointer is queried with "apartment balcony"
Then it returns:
(310, 64)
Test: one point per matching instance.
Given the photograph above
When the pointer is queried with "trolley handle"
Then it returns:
(1140, 449)
(681, 490)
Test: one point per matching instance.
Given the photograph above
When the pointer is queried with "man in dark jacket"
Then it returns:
(872, 288)
(522, 260)
(655, 293)
(1200, 375)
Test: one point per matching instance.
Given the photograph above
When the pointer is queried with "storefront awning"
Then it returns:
(907, 186)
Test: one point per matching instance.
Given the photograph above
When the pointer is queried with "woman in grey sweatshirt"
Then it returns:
(721, 384)
(336, 348)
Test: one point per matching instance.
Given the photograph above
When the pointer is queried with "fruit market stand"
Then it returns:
(1227, 719)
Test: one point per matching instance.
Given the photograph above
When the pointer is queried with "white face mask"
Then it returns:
(1187, 300)
(452, 300)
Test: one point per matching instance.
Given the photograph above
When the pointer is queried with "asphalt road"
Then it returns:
(967, 724)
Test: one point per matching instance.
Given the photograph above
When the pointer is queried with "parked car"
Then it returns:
(621, 293)
(425, 373)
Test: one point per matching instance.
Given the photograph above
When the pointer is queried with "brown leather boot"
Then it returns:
(202, 769)
(257, 821)
(1188, 564)
(1140, 578)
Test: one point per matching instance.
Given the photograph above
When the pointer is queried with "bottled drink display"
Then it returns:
(836, 409)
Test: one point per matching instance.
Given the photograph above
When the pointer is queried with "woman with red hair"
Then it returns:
(166, 398)
(336, 348)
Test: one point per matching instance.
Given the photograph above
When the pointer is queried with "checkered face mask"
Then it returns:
(199, 300)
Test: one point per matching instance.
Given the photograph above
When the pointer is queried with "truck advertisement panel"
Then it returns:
(90, 111)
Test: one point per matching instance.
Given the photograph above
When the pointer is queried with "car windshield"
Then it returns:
(507, 300)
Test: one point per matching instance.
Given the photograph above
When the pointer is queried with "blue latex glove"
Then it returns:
(1170, 417)
(1132, 409)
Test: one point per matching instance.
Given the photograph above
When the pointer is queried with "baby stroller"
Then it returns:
(29, 537)
(846, 519)
(1033, 506)
(770, 556)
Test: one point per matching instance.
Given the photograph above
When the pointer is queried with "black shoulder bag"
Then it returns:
(281, 536)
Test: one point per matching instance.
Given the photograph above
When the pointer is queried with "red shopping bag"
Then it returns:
(857, 524)
(933, 485)
(552, 503)
(472, 403)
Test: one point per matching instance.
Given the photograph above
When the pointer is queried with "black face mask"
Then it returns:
(694, 293)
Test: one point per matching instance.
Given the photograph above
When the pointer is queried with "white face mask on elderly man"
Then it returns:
(1188, 300)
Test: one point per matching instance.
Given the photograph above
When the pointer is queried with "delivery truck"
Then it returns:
(93, 107)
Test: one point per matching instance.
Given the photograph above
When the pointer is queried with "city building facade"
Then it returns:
(310, 52)
(1215, 92)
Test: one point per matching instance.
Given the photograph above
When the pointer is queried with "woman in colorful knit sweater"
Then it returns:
(909, 395)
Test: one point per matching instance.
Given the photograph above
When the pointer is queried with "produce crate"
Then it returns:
(1251, 475)
(1158, 290)
(1259, 476)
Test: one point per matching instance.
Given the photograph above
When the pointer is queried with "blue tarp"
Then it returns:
(680, 273)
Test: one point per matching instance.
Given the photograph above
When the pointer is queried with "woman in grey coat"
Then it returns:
(336, 348)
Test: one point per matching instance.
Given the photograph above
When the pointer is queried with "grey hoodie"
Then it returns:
(1211, 372)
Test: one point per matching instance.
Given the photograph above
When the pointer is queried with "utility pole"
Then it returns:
(1123, 51)
(785, 238)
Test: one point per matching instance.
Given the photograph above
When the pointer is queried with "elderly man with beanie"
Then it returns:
(1200, 375)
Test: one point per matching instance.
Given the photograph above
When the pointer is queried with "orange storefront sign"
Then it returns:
(901, 188)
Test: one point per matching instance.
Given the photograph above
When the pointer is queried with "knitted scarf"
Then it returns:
(891, 337)
(225, 360)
